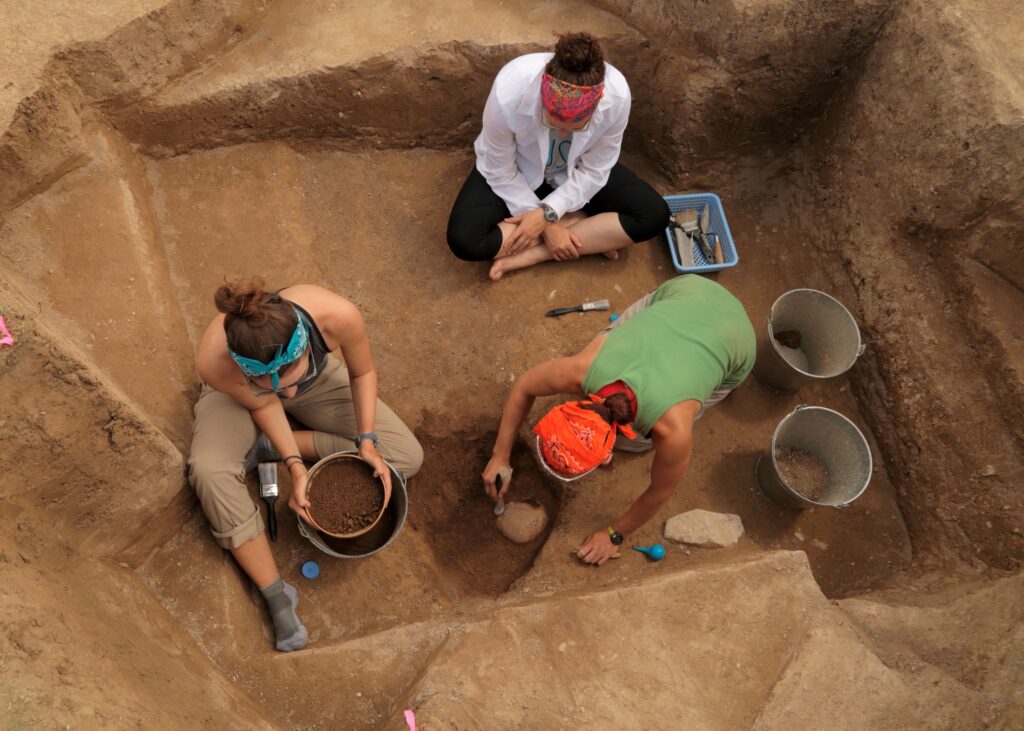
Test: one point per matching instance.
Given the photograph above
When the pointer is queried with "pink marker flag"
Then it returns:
(410, 718)
(7, 338)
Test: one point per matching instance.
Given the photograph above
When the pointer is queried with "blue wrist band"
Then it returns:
(372, 436)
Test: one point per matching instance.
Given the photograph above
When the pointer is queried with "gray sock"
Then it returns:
(282, 599)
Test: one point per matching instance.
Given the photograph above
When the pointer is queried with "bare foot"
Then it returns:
(523, 259)
(613, 254)
(499, 267)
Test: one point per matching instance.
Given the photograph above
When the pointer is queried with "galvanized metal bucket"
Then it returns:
(380, 537)
(830, 341)
(834, 441)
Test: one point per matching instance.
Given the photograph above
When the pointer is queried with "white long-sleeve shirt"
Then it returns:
(513, 145)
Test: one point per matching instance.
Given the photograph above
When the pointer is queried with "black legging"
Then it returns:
(473, 233)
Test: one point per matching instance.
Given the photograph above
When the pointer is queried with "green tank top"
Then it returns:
(694, 337)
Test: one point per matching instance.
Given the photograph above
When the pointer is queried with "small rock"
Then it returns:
(562, 647)
(988, 470)
(704, 528)
(25, 557)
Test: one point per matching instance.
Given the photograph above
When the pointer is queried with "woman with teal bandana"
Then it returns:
(264, 360)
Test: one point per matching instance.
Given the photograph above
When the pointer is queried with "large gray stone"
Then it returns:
(704, 528)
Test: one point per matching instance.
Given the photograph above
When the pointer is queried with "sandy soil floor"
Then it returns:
(224, 208)
(146, 161)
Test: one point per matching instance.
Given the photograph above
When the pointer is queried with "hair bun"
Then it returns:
(243, 300)
(578, 52)
(619, 408)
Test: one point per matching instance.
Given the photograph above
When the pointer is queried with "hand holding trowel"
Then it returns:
(504, 477)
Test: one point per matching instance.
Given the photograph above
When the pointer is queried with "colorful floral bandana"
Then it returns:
(296, 347)
(574, 440)
(566, 102)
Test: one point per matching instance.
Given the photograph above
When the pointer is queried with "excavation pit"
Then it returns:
(162, 149)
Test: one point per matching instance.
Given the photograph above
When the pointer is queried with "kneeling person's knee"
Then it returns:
(468, 243)
(648, 219)
(409, 457)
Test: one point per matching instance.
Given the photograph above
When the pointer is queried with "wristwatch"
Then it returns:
(372, 436)
(549, 213)
(615, 536)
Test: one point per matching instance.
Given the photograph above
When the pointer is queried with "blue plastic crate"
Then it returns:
(717, 225)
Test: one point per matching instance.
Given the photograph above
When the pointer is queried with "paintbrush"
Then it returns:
(585, 307)
(268, 491)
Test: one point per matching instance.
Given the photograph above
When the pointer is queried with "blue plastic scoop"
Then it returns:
(655, 552)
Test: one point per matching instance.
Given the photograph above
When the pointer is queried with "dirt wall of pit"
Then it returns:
(911, 184)
(913, 203)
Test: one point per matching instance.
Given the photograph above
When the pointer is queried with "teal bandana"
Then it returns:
(253, 368)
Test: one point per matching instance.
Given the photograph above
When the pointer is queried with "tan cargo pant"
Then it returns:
(223, 433)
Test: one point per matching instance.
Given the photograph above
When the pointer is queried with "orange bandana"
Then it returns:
(574, 439)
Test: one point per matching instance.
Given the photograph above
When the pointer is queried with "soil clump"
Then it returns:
(345, 496)
(803, 472)
(789, 338)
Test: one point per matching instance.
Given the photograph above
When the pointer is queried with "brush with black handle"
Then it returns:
(585, 307)
(268, 491)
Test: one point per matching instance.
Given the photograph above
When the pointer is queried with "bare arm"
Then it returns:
(673, 446)
(561, 375)
(344, 323)
(222, 375)
(671, 459)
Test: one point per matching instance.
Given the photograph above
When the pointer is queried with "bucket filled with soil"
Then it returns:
(809, 336)
(345, 499)
(378, 535)
(817, 457)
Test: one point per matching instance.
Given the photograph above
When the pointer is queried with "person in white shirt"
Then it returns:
(547, 183)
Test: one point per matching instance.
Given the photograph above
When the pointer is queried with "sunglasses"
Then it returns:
(310, 373)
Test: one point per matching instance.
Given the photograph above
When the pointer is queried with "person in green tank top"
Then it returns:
(671, 355)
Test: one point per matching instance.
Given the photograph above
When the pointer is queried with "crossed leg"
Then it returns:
(599, 234)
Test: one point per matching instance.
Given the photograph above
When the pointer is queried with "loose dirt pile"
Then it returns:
(789, 338)
(345, 497)
(803, 472)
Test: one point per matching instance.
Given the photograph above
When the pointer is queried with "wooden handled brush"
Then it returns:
(268, 491)
(585, 307)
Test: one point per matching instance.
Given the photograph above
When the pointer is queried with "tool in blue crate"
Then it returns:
(698, 234)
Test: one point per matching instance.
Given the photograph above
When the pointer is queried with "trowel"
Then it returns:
(701, 236)
(503, 477)
(268, 491)
(684, 245)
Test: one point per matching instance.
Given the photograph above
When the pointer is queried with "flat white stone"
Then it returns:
(704, 528)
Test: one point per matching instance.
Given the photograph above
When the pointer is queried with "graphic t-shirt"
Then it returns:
(559, 142)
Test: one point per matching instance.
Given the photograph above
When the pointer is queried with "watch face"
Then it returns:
(616, 538)
(550, 215)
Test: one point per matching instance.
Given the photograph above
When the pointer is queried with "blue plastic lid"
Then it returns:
(613, 317)
(310, 569)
